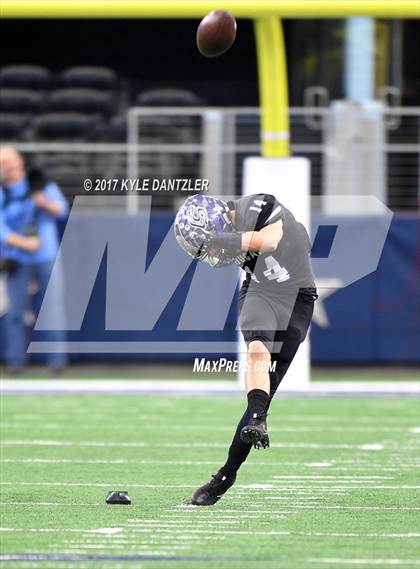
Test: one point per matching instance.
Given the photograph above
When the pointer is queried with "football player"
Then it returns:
(276, 302)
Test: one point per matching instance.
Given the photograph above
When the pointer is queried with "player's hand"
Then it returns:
(199, 239)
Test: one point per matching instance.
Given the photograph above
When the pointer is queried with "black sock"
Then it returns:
(258, 401)
(238, 450)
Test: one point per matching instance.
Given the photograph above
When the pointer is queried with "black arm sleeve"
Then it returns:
(230, 242)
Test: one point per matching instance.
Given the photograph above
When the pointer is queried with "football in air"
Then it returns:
(216, 33)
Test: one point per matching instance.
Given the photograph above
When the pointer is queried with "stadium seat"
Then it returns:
(170, 130)
(20, 100)
(69, 172)
(94, 77)
(64, 126)
(111, 165)
(114, 131)
(74, 160)
(168, 98)
(180, 128)
(33, 76)
(12, 126)
(67, 169)
(80, 100)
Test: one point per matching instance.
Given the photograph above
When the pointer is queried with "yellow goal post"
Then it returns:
(267, 14)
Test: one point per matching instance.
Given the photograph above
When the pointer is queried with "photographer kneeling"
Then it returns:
(29, 207)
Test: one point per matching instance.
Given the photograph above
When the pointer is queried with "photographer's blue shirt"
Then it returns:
(20, 211)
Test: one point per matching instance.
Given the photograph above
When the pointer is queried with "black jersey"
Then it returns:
(288, 267)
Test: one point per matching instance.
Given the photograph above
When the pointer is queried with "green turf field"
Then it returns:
(337, 489)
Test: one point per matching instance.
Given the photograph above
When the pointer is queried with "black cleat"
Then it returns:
(211, 492)
(255, 433)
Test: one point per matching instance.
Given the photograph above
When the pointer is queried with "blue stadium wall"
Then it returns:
(375, 320)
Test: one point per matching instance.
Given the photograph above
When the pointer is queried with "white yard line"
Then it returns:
(368, 562)
(203, 387)
(246, 487)
(354, 534)
(94, 546)
(116, 461)
(128, 542)
(330, 465)
(293, 489)
(51, 504)
(147, 550)
(348, 420)
(216, 532)
(229, 428)
(105, 531)
(322, 507)
(127, 444)
(329, 477)
(98, 485)
(286, 429)
(164, 522)
(222, 514)
(62, 564)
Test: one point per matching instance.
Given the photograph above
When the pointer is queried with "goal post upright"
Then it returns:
(273, 87)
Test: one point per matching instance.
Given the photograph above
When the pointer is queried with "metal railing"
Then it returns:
(212, 143)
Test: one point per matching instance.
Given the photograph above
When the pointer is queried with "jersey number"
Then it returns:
(258, 206)
(275, 272)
